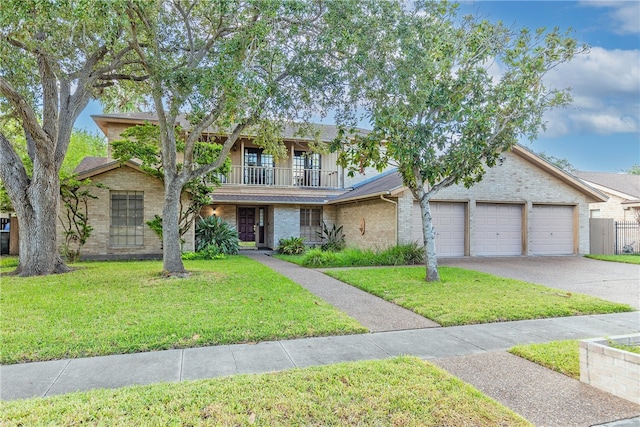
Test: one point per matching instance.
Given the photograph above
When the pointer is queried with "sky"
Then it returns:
(600, 130)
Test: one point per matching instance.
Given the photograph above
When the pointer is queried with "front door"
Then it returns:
(246, 223)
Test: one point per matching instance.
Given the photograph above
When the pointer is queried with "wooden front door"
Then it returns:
(246, 222)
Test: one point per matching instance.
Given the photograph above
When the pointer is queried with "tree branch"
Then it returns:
(25, 114)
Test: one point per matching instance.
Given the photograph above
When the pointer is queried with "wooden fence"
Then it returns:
(609, 237)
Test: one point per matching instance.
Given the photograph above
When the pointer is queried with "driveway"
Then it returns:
(611, 281)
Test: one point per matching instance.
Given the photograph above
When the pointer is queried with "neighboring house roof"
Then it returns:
(623, 185)
(327, 132)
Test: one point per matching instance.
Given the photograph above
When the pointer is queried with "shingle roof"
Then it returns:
(621, 182)
(89, 163)
(381, 184)
(327, 132)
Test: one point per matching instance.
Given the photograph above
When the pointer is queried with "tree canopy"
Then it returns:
(235, 68)
(446, 95)
(56, 56)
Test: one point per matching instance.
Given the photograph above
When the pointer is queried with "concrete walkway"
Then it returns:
(371, 311)
(475, 353)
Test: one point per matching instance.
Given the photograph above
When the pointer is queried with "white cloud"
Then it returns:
(601, 71)
(605, 123)
(624, 15)
(606, 93)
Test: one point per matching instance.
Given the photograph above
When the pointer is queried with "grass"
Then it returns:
(394, 392)
(560, 356)
(7, 262)
(126, 307)
(628, 258)
(467, 297)
(635, 348)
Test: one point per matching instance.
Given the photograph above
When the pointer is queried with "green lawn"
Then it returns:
(467, 297)
(395, 392)
(560, 356)
(628, 258)
(126, 307)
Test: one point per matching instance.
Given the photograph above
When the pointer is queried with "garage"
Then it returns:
(449, 223)
(551, 230)
(498, 229)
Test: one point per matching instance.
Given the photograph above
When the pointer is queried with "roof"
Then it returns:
(92, 166)
(379, 185)
(327, 132)
(626, 185)
(89, 163)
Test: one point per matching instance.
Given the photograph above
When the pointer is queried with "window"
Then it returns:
(127, 213)
(310, 224)
(306, 169)
(595, 213)
(258, 167)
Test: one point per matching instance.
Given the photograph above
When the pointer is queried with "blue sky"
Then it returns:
(600, 130)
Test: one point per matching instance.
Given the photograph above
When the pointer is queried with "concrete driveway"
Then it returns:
(611, 281)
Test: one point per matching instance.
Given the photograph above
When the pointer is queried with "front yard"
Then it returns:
(122, 307)
(466, 297)
(393, 392)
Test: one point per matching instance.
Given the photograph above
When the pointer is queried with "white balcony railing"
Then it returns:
(280, 177)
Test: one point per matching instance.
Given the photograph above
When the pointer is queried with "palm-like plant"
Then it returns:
(215, 231)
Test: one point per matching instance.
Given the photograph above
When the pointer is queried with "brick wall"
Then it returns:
(286, 222)
(610, 369)
(519, 181)
(99, 210)
(380, 222)
(613, 209)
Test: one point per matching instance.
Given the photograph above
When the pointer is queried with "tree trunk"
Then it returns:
(172, 249)
(37, 218)
(428, 235)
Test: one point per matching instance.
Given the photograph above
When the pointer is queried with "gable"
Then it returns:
(517, 178)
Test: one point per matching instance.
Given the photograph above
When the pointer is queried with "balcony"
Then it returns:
(281, 177)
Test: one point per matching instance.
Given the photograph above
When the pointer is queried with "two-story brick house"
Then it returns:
(524, 206)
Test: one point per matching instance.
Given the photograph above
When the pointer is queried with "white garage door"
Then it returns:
(449, 223)
(498, 229)
(551, 230)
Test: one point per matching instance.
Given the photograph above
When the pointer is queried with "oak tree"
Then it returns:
(446, 95)
(234, 68)
(55, 57)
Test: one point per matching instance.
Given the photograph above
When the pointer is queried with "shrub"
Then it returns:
(211, 251)
(351, 257)
(215, 231)
(409, 254)
(291, 246)
(332, 238)
(319, 258)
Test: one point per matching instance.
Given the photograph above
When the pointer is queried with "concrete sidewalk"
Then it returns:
(65, 376)
(542, 396)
